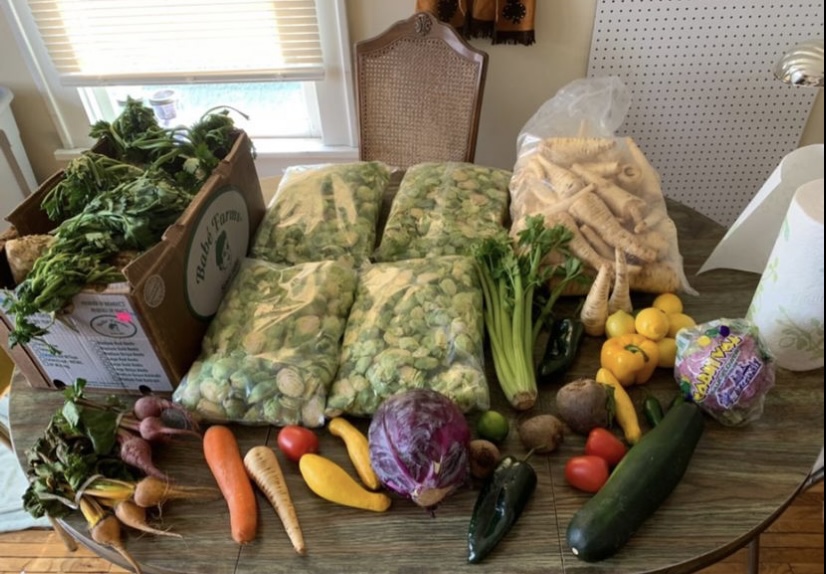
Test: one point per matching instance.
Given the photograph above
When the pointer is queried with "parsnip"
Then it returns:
(627, 207)
(592, 211)
(566, 151)
(621, 293)
(562, 181)
(595, 308)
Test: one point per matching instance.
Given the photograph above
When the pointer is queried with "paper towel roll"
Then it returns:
(788, 303)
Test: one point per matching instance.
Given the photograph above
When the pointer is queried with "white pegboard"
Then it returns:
(705, 106)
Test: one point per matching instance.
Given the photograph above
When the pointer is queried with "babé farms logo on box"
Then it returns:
(218, 244)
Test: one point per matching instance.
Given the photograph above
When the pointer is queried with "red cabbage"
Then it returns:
(419, 446)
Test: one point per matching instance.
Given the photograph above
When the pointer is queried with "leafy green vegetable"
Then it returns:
(78, 443)
(443, 209)
(511, 275)
(414, 324)
(325, 212)
(115, 205)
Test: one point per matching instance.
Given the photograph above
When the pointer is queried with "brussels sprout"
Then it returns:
(442, 209)
(277, 352)
(403, 334)
(323, 212)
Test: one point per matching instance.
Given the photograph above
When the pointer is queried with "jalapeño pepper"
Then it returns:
(563, 344)
(653, 410)
(499, 505)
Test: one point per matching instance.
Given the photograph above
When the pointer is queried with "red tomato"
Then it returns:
(296, 441)
(586, 472)
(605, 444)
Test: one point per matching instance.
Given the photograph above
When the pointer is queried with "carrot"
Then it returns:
(357, 449)
(656, 278)
(566, 151)
(629, 177)
(591, 210)
(578, 245)
(595, 308)
(331, 482)
(224, 460)
(151, 491)
(263, 468)
(621, 294)
(598, 243)
(134, 516)
(105, 530)
(627, 207)
(562, 181)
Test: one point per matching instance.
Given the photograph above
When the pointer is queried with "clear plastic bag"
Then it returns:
(414, 324)
(442, 209)
(323, 212)
(572, 168)
(271, 351)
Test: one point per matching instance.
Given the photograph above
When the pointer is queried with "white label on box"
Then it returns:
(219, 243)
(103, 342)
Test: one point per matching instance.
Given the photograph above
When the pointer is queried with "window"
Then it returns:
(281, 66)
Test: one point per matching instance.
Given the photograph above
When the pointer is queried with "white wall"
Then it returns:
(519, 78)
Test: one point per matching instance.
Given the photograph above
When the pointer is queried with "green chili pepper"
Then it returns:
(562, 348)
(653, 410)
(500, 504)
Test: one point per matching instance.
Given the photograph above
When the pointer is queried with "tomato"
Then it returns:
(296, 441)
(586, 472)
(605, 444)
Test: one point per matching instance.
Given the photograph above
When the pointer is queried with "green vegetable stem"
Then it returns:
(499, 505)
(510, 275)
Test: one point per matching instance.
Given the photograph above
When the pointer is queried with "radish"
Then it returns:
(154, 429)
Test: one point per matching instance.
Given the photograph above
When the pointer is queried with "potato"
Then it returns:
(484, 456)
(541, 433)
(585, 404)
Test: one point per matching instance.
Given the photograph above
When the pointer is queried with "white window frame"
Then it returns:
(335, 97)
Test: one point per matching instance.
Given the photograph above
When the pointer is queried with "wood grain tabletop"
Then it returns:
(738, 481)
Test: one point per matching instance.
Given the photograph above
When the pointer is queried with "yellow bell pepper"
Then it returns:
(630, 358)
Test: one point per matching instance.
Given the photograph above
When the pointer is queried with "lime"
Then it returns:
(493, 426)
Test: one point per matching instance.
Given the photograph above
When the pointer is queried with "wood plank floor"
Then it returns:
(792, 545)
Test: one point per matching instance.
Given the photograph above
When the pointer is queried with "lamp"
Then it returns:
(802, 65)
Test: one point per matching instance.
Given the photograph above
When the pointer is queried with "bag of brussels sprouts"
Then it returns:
(442, 209)
(272, 349)
(323, 212)
(413, 324)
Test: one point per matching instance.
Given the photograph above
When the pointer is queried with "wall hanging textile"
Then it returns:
(504, 21)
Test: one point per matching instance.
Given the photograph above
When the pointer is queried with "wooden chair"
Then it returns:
(419, 91)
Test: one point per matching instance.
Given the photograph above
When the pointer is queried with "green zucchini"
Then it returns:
(640, 483)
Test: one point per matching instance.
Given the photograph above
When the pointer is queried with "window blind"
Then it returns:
(117, 42)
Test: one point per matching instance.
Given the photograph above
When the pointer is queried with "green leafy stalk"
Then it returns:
(510, 274)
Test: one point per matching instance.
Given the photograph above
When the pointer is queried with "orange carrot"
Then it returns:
(224, 460)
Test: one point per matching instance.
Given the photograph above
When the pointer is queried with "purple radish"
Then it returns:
(154, 406)
(136, 451)
(153, 429)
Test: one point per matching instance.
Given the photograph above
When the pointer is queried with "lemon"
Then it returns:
(652, 323)
(668, 303)
(677, 321)
(668, 352)
(493, 425)
(619, 323)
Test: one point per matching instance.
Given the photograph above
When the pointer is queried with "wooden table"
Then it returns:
(738, 481)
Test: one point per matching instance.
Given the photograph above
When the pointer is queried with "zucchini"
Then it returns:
(638, 486)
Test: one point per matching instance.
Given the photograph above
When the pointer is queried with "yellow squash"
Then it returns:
(331, 482)
(357, 449)
(625, 412)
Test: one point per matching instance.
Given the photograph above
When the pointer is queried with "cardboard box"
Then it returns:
(143, 334)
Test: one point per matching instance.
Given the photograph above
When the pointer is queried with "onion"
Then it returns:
(419, 446)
